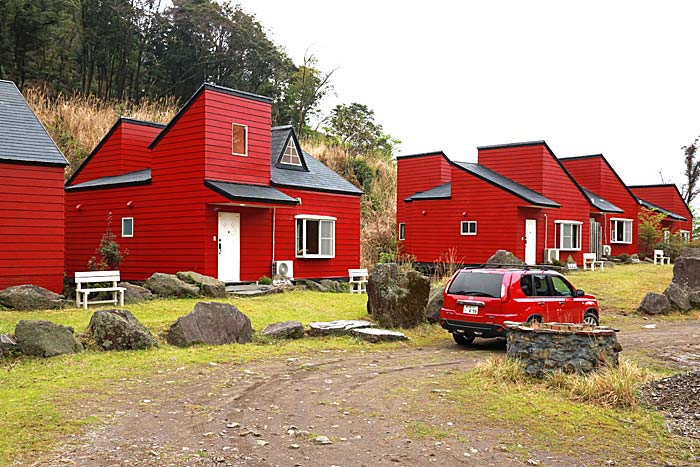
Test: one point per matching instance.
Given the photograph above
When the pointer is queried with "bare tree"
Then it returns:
(691, 187)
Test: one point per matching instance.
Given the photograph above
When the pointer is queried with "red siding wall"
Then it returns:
(221, 110)
(667, 197)
(31, 226)
(595, 174)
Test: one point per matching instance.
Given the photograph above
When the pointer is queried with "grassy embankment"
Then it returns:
(42, 397)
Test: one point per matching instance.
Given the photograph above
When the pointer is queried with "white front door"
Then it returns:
(229, 246)
(531, 241)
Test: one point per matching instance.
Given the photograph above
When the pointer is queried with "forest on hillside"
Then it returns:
(82, 64)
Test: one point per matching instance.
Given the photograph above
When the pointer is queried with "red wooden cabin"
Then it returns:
(613, 207)
(667, 199)
(31, 197)
(518, 197)
(218, 191)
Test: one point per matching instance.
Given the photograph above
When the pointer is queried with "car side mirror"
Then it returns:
(580, 293)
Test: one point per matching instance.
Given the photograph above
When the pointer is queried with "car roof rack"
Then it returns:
(524, 267)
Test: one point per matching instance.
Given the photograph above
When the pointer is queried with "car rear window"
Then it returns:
(477, 284)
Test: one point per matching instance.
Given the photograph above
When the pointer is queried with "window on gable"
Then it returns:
(239, 140)
(569, 235)
(291, 155)
(468, 227)
(621, 231)
(402, 231)
(127, 227)
(315, 236)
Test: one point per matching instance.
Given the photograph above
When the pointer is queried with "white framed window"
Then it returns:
(291, 155)
(667, 235)
(402, 231)
(684, 235)
(127, 227)
(569, 235)
(315, 236)
(468, 227)
(239, 139)
(620, 230)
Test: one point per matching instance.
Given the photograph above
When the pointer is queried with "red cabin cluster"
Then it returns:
(522, 198)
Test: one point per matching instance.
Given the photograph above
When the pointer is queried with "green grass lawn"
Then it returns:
(41, 398)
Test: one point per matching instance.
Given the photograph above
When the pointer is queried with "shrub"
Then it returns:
(108, 256)
(264, 280)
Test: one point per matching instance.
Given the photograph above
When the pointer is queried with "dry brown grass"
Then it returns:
(78, 123)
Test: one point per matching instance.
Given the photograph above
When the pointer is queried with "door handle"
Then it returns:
(219, 246)
(561, 303)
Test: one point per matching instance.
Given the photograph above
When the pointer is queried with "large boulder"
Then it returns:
(678, 297)
(694, 298)
(691, 252)
(503, 257)
(45, 339)
(435, 302)
(30, 297)
(168, 285)
(332, 286)
(209, 286)
(655, 304)
(119, 330)
(211, 323)
(397, 298)
(284, 330)
(135, 293)
(686, 272)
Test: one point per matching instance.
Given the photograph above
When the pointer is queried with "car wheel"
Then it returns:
(463, 339)
(590, 318)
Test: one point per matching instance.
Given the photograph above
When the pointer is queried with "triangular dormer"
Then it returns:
(289, 154)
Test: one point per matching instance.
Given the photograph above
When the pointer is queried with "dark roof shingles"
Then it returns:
(250, 193)
(22, 136)
(138, 177)
(439, 192)
(600, 203)
(668, 213)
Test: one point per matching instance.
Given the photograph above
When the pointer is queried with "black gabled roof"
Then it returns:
(193, 98)
(314, 175)
(121, 120)
(654, 207)
(507, 184)
(250, 193)
(22, 136)
(439, 192)
(281, 137)
(139, 177)
(600, 203)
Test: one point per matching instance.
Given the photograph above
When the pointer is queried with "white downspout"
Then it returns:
(274, 212)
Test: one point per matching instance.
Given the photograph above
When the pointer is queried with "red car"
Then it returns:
(478, 301)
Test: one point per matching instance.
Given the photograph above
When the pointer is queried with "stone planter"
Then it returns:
(571, 348)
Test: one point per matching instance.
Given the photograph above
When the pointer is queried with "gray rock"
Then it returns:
(168, 285)
(30, 297)
(119, 330)
(332, 286)
(211, 323)
(311, 285)
(678, 297)
(396, 298)
(690, 252)
(655, 304)
(504, 257)
(209, 286)
(435, 302)
(135, 293)
(337, 328)
(7, 345)
(378, 335)
(686, 272)
(694, 298)
(284, 330)
(45, 339)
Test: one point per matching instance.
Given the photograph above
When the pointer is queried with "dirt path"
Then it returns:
(269, 413)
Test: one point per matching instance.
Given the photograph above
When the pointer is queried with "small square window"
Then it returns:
(402, 231)
(240, 140)
(468, 227)
(127, 227)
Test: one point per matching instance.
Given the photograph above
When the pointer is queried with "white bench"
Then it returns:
(659, 256)
(82, 294)
(357, 278)
(590, 259)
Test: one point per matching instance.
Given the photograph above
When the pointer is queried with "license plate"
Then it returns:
(471, 310)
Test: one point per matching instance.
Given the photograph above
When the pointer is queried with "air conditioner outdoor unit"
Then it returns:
(606, 250)
(551, 254)
(284, 269)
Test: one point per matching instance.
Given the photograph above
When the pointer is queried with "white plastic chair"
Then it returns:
(659, 257)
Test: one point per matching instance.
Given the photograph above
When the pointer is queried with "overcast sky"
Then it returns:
(613, 77)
